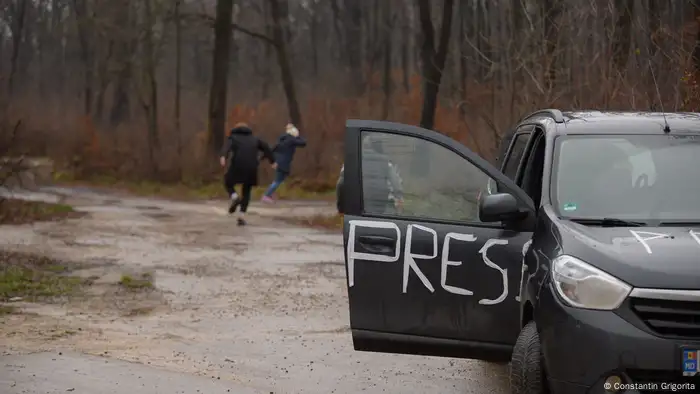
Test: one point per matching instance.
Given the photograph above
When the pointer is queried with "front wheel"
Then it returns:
(526, 368)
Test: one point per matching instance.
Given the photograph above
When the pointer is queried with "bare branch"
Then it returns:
(209, 20)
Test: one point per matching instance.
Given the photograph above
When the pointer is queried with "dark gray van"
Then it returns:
(577, 260)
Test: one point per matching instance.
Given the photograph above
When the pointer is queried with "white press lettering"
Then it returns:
(523, 268)
(409, 262)
(504, 272)
(446, 262)
(353, 255)
(695, 236)
(643, 241)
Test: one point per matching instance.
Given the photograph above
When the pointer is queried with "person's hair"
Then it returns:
(240, 124)
(292, 130)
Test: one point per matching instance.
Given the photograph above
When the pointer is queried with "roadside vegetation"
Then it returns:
(321, 222)
(293, 189)
(15, 211)
(139, 282)
(33, 278)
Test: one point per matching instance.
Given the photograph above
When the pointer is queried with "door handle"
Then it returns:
(377, 240)
(377, 244)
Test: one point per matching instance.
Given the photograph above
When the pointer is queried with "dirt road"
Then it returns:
(259, 309)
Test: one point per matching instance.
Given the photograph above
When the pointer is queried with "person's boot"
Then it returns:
(235, 200)
(241, 222)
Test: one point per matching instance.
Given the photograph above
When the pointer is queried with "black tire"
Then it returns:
(526, 367)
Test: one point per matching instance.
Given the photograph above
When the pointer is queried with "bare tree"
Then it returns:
(622, 39)
(387, 84)
(279, 24)
(83, 20)
(94, 74)
(150, 55)
(18, 12)
(178, 80)
(219, 80)
(432, 57)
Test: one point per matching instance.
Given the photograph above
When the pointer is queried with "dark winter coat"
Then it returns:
(284, 151)
(244, 148)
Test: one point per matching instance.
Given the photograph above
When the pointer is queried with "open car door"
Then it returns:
(425, 274)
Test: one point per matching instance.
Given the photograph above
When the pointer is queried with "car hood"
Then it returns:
(651, 257)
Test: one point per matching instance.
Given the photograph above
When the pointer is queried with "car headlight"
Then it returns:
(583, 286)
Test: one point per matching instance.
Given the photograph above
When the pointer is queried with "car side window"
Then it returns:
(515, 154)
(447, 189)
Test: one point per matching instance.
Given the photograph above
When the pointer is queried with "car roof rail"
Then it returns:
(551, 112)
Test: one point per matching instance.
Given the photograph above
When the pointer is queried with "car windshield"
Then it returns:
(629, 177)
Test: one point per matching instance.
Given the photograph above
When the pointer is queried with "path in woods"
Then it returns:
(256, 309)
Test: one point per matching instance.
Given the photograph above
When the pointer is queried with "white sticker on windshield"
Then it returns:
(570, 207)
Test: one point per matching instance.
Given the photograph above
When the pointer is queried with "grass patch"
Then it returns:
(293, 189)
(295, 192)
(35, 278)
(139, 311)
(14, 211)
(176, 191)
(325, 222)
(142, 282)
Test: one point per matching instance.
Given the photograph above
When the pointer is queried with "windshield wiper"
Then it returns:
(680, 223)
(608, 222)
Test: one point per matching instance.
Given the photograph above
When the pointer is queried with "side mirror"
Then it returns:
(500, 207)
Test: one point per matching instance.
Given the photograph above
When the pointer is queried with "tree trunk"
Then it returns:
(81, 14)
(337, 18)
(482, 36)
(56, 54)
(462, 57)
(405, 44)
(696, 50)
(433, 61)
(653, 45)
(278, 35)
(267, 63)
(104, 79)
(313, 32)
(178, 82)
(219, 79)
(623, 33)
(552, 10)
(353, 42)
(124, 47)
(20, 11)
(386, 78)
(151, 101)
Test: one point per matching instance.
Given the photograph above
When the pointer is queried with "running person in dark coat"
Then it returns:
(284, 154)
(244, 148)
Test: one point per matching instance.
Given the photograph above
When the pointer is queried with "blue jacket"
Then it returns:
(284, 151)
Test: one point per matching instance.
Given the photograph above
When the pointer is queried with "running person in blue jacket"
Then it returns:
(284, 154)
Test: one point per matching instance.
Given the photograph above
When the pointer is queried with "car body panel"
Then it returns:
(416, 285)
(440, 323)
